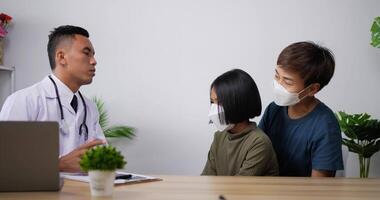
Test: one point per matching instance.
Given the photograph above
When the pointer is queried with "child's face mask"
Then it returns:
(283, 97)
(215, 112)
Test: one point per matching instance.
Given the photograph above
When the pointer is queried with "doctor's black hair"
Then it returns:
(60, 34)
(238, 94)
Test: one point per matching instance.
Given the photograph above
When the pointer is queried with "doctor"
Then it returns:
(57, 96)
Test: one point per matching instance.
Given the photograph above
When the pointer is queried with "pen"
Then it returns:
(123, 176)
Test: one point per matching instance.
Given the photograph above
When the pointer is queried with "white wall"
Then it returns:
(157, 58)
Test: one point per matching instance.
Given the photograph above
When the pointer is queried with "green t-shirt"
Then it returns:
(248, 153)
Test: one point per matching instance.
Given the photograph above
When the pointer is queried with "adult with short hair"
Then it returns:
(57, 96)
(304, 131)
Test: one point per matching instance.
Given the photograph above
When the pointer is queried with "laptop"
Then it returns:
(29, 154)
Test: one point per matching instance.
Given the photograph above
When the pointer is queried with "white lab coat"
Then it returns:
(39, 103)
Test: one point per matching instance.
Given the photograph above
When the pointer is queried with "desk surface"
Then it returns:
(233, 188)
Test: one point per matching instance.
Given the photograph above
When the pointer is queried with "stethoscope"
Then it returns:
(83, 129)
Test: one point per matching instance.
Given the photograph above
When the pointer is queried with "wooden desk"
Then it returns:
(233, 188)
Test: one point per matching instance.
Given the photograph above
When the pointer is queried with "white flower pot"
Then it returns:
(101, 182)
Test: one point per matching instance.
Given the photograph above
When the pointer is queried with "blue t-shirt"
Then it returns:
(311, 142)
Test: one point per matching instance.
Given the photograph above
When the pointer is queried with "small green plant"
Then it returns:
(104, 158)
(363, 137)
(111, 131)
(375, 30)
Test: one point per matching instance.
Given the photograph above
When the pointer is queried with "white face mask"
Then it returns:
(215, 112)
(283, 97)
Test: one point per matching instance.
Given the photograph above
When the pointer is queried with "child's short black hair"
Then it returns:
(237, 93)
(314, 63)
(60, 34)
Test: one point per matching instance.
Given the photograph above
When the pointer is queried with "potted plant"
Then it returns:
(375, 30)
(363, 137)
(111, 131)
(100, 163)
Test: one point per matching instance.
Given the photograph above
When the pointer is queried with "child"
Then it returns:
(304, 131)
(239, 148)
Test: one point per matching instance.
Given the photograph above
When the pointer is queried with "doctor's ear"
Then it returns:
(60, 57)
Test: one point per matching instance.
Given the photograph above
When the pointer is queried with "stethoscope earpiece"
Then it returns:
(83, 129)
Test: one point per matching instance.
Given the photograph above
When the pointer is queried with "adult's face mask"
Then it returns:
(283, 97)
(215, 112)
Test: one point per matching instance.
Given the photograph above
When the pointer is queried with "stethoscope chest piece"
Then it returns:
(83, 130)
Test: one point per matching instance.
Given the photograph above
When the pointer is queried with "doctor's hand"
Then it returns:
(70, 161)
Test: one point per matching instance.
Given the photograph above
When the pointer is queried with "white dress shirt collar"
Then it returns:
(65, 93)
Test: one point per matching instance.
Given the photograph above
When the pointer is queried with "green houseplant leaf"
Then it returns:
(343, 122)
(103, 115)
(119, 131)
(371, 149)
(104, 158)
(375, 30)
(352, 146)
(111, 131)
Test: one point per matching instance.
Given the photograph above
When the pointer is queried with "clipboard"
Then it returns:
(130, 178)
